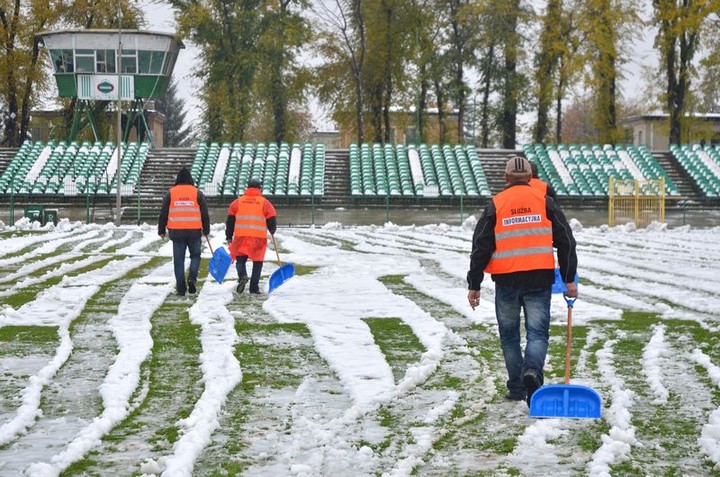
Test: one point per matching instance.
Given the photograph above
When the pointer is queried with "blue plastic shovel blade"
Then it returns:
(281, 275)
(219, 264)
(566, 400)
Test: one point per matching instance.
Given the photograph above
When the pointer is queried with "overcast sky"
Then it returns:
(160, 18)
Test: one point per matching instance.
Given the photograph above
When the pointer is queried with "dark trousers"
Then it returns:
(179, 247)
(240, 262)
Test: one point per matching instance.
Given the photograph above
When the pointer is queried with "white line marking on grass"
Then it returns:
(709, 439)
(617, 443)
(48, 247)
(11, 245)
(533, 452)
(653, 354)
(131, 328)
(57, 306)
(221, 373)
(58, 272)
(85, 243)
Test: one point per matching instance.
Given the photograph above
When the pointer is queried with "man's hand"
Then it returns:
(162, 236)
(572, 291)
(474, 298)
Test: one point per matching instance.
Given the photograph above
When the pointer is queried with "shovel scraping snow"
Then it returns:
(566, 400)
(283, 273)
(219, 263)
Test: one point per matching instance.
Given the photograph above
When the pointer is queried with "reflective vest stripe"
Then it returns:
(523, 233)
(249, 218)
(184, 212)
(184, 209)
(250, 227)
(522, 252)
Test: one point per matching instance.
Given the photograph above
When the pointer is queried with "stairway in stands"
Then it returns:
(337, 177)
(683, 182)
(158, 175)
(6, 155)
(493, 161)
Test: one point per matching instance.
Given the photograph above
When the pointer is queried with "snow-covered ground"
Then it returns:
(368, 362)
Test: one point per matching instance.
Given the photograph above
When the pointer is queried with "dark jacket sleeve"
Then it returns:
(483, 246)
(551, 192)
(271, 224)
(164, 211)
(204, 214)
(563, 241)
(229, 227)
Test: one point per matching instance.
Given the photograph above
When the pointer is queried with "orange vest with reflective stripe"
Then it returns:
(184, 210)
(249, 218)
(523, 233)
(539, 185)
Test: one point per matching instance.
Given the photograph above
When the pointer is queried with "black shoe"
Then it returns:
(514, 397)
(191, 288)
(241, 284)
(181, 293)
(532, 383)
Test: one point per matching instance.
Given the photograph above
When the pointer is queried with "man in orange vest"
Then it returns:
(185, 214)
(250, 217)
(540, 184)
(514, 241)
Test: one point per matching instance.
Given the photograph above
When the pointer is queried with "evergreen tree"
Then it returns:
(176, 133)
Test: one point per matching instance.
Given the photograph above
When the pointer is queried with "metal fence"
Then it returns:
(639, 201)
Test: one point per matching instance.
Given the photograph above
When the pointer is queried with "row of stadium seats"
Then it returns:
(584, 170)
(62, 168)
(224, 169)
(375, 170)
(416, 171)
(702, 164)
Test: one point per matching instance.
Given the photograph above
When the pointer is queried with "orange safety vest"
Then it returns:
(523, 233)
(249, 218)
(184, 208)
(538, 184)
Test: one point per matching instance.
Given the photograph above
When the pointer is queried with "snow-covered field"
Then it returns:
(368, 362)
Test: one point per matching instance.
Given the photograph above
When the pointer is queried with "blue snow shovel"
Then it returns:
(283, 273)
(566, 400)
(219, 263)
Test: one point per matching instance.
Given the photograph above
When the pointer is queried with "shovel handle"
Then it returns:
(208, 241)
(276, 250)
(568, 349)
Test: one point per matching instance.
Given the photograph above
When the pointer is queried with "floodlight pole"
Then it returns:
(119, 116)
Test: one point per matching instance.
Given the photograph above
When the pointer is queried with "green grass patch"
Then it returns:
(175, 385)
(304, 269)
(269, 355)
(392, 279)
(29, 293)
(397, 342)
(40, 335)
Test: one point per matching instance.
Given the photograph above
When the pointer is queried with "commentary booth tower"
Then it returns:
(104, 67)
(88, 65)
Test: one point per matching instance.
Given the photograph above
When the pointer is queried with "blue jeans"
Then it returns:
(536, 303)
(179, 247)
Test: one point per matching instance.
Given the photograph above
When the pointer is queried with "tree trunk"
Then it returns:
(558, 109)
(510, 86)
(441, 112)
(460, 85)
